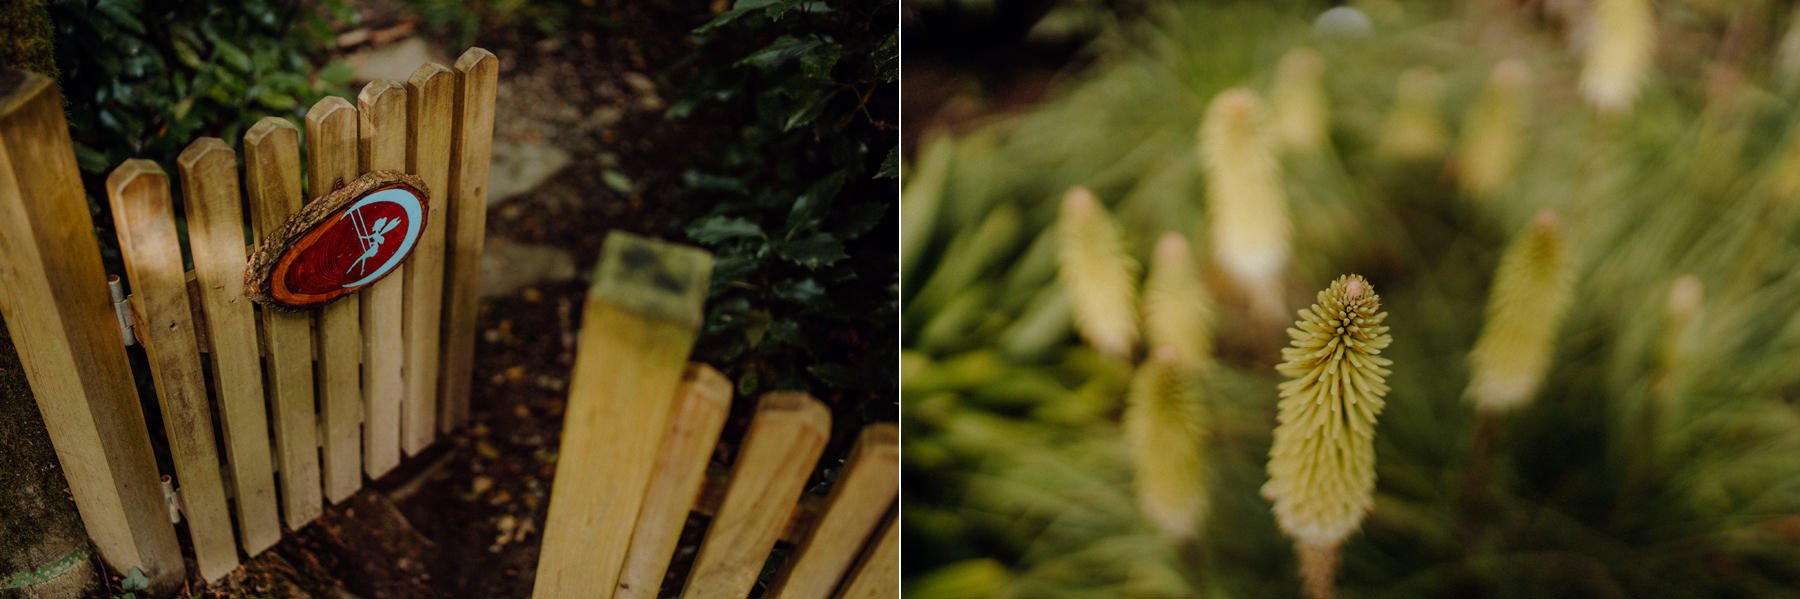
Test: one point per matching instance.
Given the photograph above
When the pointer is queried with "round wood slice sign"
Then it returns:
(340, 243)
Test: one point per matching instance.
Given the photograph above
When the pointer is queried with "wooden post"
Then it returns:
(382, 145)
(144, 216)
(272, 184)
(209, 189)
(331, 159)
(62, 323)
(877, 574)
(701, 404)
(779, 453)
(430, 95)
(859, 499)
(477, 77)
(642, 316)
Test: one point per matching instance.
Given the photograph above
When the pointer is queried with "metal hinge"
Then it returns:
(121, 309)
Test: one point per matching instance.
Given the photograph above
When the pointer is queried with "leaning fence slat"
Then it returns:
(859, 498)
(640, 322)
(381, 142)
(477, 77)
(209, 190)
(144, 216)
(272, 186)
(701, 405)
(67, 335)
(331, 161)
(785, 439)
(430, 95)
(877, 574)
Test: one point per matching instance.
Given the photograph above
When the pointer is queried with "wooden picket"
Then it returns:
(66, 333)
(877, 573)
(334, 406)
(642, 316)
(216, 239)
(701, 405)
(430, 94)
(145, 218)
(863, 494)
(381, 143)
(637, 330)
(472, 137)
(331, 158)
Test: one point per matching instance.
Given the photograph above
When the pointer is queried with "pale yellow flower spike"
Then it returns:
(1619, 54)
(1165, 430)
(1298, 96)
(1100, 278)
(1414, 128)
(1531, 292)
(1178, 310)
(1246, 207)
(1491, 138)
(1322, 463)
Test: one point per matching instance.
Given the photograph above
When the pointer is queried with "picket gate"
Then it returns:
(347, 390)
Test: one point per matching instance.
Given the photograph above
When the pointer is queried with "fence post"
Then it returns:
(430, 94)
(477, 76)
(777, 457)
(67, 336)
(144, 216)
(642, 316)
(382, 144)
(272, 191)
(701, 405)
(215, 218)
(862, 495)
(331, 160)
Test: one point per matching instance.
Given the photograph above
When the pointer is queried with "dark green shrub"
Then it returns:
(802, 218)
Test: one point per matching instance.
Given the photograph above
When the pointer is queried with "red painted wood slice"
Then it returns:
(338, 244)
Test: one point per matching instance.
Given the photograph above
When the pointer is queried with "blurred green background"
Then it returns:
(1645, 467)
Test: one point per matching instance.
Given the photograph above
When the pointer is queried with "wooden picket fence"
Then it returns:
(347, 389)
(633, 463)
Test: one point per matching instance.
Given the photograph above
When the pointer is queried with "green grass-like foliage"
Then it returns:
(1660, 456)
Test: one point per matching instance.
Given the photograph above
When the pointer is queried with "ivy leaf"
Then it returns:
(91, 160)
(783, 49)
(890, 166)
(804, 291)
(743, 7)
(817, 62)
(232, 56)
(811, 206)
(135, 581)
(808, 111)
(714, 230)
(275, 100)
(121, 12)
(337, 73)
(813, 251)
(699, 180)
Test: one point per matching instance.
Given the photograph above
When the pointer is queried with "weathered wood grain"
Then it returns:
(209, 185)
(640, 322)
(430, 99)
(272, 184)
(331, 159)
(701, 405)
(144, 217)
(472, 136)
(381, 143)
(861, 496)
(786, 436)
(67, 335)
